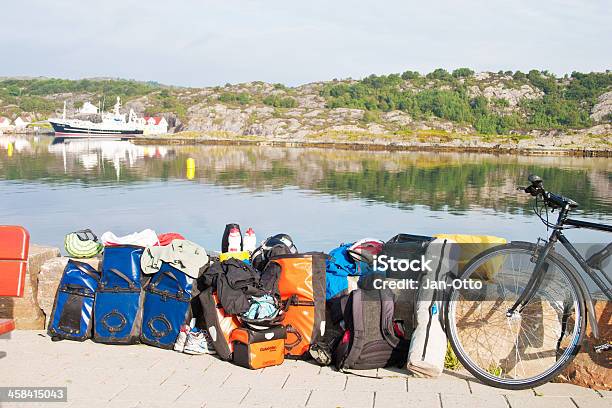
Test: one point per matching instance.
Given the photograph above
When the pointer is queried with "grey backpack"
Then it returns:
(370, 339)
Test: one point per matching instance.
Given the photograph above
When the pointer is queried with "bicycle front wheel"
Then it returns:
(525, 348)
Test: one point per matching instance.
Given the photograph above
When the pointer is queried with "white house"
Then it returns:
(155, 125)
(20, 123)
(5, 123)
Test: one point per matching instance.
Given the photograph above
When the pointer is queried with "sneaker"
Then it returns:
(197, 343)
(179, 344)
(321, 354)
(209, 342)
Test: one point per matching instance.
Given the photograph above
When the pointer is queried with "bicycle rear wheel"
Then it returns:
(530, 346)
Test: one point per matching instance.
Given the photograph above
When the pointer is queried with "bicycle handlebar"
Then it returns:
(551, 199)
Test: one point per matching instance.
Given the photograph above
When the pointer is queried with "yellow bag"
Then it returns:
(478, 244)
(241, 255)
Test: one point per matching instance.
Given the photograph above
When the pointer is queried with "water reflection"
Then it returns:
(450, 182)
(93, 154)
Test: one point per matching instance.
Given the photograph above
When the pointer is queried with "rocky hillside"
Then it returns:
(536, 104)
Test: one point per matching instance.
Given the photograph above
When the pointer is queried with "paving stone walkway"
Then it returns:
(139, 376)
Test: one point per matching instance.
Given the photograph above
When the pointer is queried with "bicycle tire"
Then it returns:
(570, 272)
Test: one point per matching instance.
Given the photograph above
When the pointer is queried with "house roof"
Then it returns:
(157, 119)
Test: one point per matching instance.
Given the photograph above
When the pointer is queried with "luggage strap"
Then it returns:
(180, 290)
(86, 235)
(124, 277)
(434, 299)
(83, 269)
(292, 330)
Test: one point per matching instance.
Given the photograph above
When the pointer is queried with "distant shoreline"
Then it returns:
(378, 146)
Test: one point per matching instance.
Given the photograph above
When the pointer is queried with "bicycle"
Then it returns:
(524, 326)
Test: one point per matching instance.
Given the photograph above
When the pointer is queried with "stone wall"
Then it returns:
(26, 310)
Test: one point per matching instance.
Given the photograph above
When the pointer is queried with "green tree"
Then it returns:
(463, 73)
(408, 75)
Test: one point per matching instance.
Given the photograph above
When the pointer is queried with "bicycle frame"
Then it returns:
(540, 268)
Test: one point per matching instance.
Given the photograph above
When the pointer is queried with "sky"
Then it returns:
(203, 43)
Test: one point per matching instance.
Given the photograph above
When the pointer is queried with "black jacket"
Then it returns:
(234, 281)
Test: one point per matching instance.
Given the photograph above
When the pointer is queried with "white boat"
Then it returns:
(111, 124)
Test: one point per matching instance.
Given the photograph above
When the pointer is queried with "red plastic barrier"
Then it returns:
(14, 248)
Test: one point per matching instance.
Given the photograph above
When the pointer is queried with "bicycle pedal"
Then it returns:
(603, 347)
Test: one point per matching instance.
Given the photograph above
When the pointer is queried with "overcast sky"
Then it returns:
(200, 42)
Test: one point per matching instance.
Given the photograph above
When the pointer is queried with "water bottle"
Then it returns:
(249, 241)
(225, 240)
(234, 241)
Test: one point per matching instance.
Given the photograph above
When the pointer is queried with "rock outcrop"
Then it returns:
(603, 107)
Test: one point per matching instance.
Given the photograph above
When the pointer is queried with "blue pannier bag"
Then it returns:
(118, 304)
(166, 306)
(71, 315)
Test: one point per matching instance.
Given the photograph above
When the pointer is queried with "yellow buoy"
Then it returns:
(190, 169)
(10, 150)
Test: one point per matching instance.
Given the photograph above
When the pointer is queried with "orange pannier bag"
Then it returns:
(258, 348)
(219, 324)
(301, 285)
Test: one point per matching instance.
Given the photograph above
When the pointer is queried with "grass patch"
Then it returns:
(451, 362)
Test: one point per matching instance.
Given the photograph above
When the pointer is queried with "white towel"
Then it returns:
(144, 238)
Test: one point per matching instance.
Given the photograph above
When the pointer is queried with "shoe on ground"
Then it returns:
(181, 340)
(197, 343)
(321, 354)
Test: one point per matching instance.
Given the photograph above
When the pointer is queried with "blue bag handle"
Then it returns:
(179, 291)
(80, 266)
(120, 274)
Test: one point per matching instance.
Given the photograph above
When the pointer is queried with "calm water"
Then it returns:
(320, 197)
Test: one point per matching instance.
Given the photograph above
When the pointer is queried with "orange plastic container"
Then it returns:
(14, 248)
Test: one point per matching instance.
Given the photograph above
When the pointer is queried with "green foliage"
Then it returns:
(37, 104)
(43, 87)
(451, 362)
(165, 102)
(544, 81)
(552, 111)
(519, 76)
(280, 102)
(587, 87)
(371, 117)
(440, 74)
(240, 98)
(566, 104)
(408, 75)
(463, 73)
